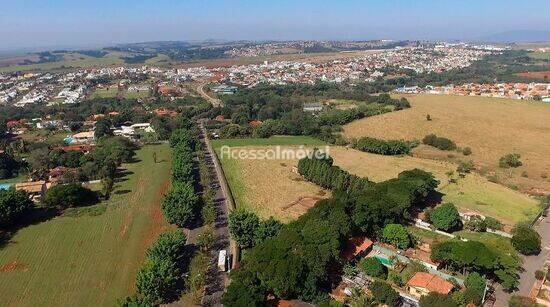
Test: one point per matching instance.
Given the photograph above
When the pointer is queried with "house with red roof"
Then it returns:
(423, 283)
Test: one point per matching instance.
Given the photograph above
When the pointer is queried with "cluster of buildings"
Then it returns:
(20, 89)
(524, 91)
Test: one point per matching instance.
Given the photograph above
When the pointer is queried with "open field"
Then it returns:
(110, 92)
(254, 182)
(473, 192)
(491, 127)
(89, 256)
(269, 187)
(540, 55)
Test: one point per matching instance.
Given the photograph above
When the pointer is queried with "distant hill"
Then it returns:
(520, 36)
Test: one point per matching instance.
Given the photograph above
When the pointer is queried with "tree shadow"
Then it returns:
(34, 217)
(122, 192)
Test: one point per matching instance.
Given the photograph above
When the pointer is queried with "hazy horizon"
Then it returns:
(29, 24)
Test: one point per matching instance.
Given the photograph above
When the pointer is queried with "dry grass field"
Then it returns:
(536, 74)
(270, 187)
(491, 127)
(473, 192)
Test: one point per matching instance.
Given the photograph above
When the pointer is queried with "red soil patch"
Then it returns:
(12, 266)
(536, 74)
(301, 205)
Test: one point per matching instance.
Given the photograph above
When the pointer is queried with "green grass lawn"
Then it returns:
(110, 92)
(136, 95)
(274, 140)
(89, 256)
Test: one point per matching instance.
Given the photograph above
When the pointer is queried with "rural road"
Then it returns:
(530, 265)
(217, 281)
(214, 101)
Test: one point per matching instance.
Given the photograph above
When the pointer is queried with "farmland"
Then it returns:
(109, 92)
(491, 127)
(89, 256)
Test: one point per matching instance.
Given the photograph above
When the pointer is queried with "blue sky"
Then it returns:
(39, 23)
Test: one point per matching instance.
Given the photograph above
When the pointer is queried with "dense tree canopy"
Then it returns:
(13, 205)
(69, 195)
(181, 205)
(526, 240)
(243, 226)
(397, 235)
(435, 299)
(446, 217)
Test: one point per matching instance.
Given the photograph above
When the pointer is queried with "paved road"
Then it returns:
(216, 281)
(214, 101)
(530, 265)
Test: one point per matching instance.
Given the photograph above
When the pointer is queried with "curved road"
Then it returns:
(214, 101)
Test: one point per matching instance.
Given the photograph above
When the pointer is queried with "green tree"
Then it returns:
(169, 246)
(372, 267)
(526, 240)
(397, 235)
(446, 217)
(267, 229)
(181, 205)
(103, 128)
(243, 226)
(510, 160)
(69, 195)
(158, 281)
(475, 288)
(435, 299)
(13, 205)
(384, 293)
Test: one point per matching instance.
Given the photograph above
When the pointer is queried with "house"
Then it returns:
(423, 283)
(86, 137)
(35, 189)
(356, 247)
(219, 118)
(313, 107)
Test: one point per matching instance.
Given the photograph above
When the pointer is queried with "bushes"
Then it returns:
(439, 142)
(382, 147)
(473, 256)
(69, 195)
(510, 160)
(521, 301)
(13, 206)
(181, 205)
(384, 293)
(397, 235)
(435, 299)
(372, 267)
(475, 288)
(446, 217)
(525, 240)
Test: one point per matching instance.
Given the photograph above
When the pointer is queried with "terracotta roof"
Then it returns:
(30, 187)
(355, 246)
(432, 283)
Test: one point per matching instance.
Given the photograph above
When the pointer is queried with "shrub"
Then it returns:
(493, 223)
(446, 217)
(13, 205)
(465, 167)
(384, 293)
(539, 274)
(69, 195)
(526, 240)
(372, 267)
(437, 300)
(383, 147)
(510, 160)
(439, 142)
(397, 235)
(476, 223)
(467, 151)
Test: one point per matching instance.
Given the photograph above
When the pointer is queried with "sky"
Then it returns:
(41, 23)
